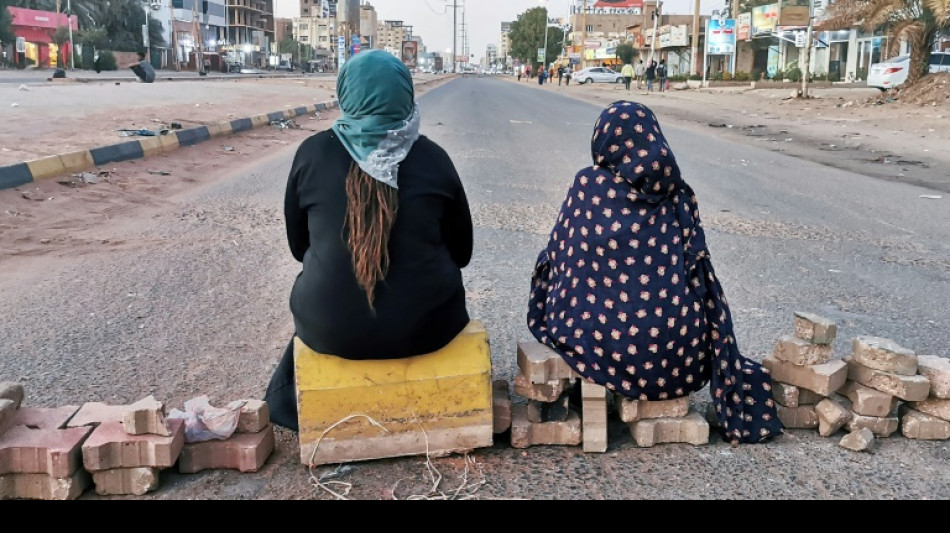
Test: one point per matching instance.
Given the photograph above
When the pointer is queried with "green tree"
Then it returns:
(527, 37)
(6, 31)
(60, 38)
(916, 21)
(626, 52)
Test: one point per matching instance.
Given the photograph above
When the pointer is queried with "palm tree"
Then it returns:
(915, 21)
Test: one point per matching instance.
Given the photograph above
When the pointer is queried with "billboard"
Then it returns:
(764, 19)
(608, 7)
(794, 13)
(410, 53)
(721, 37)
(744, 27)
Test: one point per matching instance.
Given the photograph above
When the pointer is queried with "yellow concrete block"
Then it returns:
(290, 113)
(224, 128)
(77, 161)
(151, 146)
(46, 167)
(440, 402)
(260, 120)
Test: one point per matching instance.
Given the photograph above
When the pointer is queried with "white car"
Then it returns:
(597, 75)
(893, 72)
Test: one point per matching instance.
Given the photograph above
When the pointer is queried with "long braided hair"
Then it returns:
(370, 214)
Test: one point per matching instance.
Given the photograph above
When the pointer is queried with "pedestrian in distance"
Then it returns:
(661, 75)
(143, 69)
(542, 75)
(645, 316)
(639, 73)
(560, 75)
(378, 217)
(567, 76)
(519, 75)
(651, 76)
(628, 73)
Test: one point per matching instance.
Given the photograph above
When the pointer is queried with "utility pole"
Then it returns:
(455, 36)
(806, 68)
(694, 50)
(69, 24)
(656, 23)
(544, 60)
(584, 44)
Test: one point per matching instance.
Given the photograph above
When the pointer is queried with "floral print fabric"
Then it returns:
(625, 290)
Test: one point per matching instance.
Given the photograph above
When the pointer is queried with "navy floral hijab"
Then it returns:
(625, 290)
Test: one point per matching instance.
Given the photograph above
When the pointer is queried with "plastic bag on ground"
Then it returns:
(204, 423)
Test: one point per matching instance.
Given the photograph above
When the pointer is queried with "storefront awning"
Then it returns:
(32, 35)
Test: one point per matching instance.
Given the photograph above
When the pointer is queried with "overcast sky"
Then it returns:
(432, 19)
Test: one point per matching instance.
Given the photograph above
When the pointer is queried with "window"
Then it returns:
(304, 38)
(304, 26)
(590, 27)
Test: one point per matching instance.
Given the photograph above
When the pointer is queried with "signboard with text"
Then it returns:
(764, 19)
(744, 27)
(341, 50)
(608, 7)
(794, 13)
(410, 53)
(721, 37)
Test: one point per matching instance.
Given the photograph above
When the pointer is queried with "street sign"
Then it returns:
(21, 45)
(341, 50)
(592, 44)
(799, 39)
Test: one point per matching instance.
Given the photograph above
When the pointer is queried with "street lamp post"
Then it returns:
(544, 60)
(69, 24)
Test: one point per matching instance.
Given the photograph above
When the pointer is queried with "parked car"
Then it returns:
(597, 75)
(893, 72)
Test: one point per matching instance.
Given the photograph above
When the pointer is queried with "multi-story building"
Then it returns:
(319, 33)
(390, 35)
(284, 28)
(318, 8)
(504, 46)
(491, 56)
(250, 30)
(369, 23)
(198, 27)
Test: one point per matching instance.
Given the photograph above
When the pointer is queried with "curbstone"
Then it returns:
(46, 167)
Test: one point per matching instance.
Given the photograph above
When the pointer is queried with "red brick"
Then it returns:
(110, 447)
(501, 406)
(54, 452)
(255, 416)
(43, 486)
(126, 481)
(12, 391)
(91, 414)
(540, 364)
(246, 452)
(42, 418)
(145, 417)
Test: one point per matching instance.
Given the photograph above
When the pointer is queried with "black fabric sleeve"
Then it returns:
(457, 229)
(298, 230)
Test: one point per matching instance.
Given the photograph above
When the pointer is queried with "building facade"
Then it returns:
(37, 29)
(283, 28)
(390, 35)
(369, 25)
(504, 41)
(251, 31)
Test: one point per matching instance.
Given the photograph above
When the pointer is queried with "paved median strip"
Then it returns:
(53, 166)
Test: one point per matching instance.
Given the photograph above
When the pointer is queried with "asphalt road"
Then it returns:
(200, 307)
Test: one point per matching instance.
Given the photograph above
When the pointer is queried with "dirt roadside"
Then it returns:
(853, 129)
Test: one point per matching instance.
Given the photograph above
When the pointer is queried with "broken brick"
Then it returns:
(802, 417)
(907, 388)
(691, 429)
(246, 452)
(525, 434)
(882, 427)
(833, 414)
(933, 407)
(919, 426)
(12, 391)
(822, 379)
(44, 418)
(145, 417)
(815, 329)
(94, 413)
(884, 355)
(546, 392)
(43, 486)
(126, 481)
(631, 410)
(255, 417)
(7, 415)
(802, 353)
(858, 441)
(866, 401)
(501, 406)
(937, 370)
(111, 447)
(541, 364)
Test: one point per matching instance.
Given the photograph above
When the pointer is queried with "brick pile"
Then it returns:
(547, 418)
(40, 459)
(663, 422)
(878, 390)
(59, 453)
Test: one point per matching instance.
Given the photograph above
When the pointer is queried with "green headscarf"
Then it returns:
(380, 121)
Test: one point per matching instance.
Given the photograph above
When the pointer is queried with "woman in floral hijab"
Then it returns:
(625, 290)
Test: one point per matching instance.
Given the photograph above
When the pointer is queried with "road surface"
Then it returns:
(194, 301)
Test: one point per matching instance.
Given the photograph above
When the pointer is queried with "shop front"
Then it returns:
(37, 29)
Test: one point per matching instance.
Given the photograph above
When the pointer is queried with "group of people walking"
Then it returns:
(654, 73)
(563, 74)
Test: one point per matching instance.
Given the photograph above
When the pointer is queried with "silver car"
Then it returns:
(597, 75)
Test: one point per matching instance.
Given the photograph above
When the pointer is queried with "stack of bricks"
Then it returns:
(805, 373)
(663, 422)
(930, 419)
(39, 459)
(545, 380)
(246, 451)
(129, 445)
